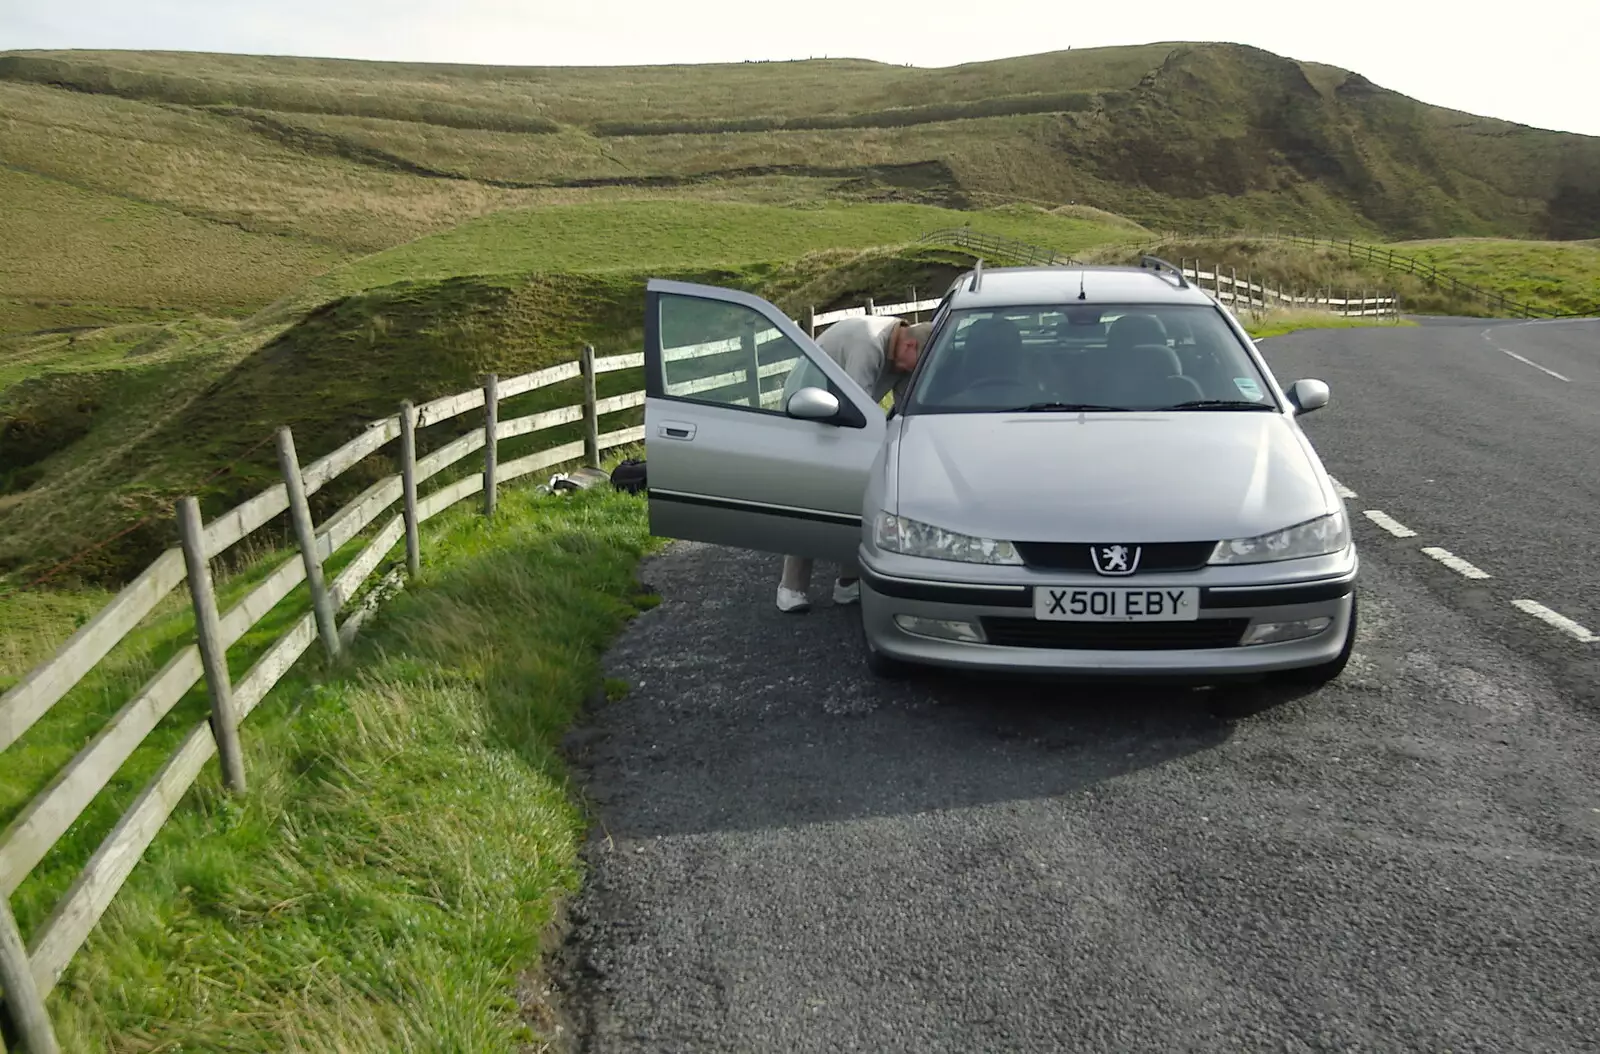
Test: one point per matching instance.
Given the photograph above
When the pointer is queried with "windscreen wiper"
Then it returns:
(1032, 407)
(1220, 404)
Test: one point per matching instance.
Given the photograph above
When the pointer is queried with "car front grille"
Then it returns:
(1114, 636)
(1155, 557)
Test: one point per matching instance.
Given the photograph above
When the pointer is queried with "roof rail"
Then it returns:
(1156, 263)
(977, 276)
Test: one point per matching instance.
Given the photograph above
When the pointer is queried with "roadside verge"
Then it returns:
(410, 830)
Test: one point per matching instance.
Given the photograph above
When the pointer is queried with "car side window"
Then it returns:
(713, 351)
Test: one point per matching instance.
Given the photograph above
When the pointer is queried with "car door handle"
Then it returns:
(676, 430)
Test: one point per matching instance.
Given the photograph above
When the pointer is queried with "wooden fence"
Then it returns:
(29, 971)
(996, 247)
(1426, 270)
(1253, 296)
(1247, 293)
(1392, 262)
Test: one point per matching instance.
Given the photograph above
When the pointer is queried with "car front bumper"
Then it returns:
(998, 602)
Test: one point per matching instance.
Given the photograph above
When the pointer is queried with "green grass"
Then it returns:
(390, 878)
(1553, 276)
(671, 235)
(71, 247)
(132, 345)
(1276, 323)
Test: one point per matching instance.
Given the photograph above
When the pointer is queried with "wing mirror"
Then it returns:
(1307, 395)
(813, 404)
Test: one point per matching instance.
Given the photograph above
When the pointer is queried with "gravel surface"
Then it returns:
(791, 856)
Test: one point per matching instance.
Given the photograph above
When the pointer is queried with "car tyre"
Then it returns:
(1316, 676)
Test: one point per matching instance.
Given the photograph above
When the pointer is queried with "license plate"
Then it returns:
(1073, 604)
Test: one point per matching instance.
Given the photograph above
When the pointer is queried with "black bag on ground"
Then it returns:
(629, 475)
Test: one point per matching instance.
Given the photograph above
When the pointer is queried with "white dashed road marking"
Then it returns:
(1454, 562)
(1559, 621)
(1389, 523)
(1522, 359)
(1342, 490)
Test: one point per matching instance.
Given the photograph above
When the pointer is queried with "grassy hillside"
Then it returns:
(88, 451)
(368, 154)
(75, 256)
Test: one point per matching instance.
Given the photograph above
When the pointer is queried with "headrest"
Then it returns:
(1136, 329)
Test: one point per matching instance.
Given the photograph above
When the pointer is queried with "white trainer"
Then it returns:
(793, 601)
(846, 594)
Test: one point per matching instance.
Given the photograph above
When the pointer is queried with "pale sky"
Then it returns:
(1532, 62)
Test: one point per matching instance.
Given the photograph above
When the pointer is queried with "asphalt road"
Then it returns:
(792, 857)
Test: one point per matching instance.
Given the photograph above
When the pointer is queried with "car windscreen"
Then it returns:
(1077, 356)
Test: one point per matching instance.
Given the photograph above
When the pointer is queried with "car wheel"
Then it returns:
(1315, 676)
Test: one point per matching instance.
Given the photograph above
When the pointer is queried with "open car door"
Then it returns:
(735, 457)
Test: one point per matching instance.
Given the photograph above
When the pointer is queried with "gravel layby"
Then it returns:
(790, 856)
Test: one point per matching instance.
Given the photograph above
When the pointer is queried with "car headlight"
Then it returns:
(897, 534)
(1318, 537)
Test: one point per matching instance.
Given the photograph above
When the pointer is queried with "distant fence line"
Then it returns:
(1255, 296)
(1015, 252)
(1391, 261)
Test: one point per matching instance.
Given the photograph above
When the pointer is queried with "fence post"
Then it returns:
(408, 483)
(23, 1002)
(591, 410)
(1233, 284)
(747, 344)
(916, 316)
(871, 310)
(305, 534)
(21, 995)
(491, 442)
(208, 635)
(811, 322)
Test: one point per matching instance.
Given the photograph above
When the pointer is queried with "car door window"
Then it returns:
(715, 351)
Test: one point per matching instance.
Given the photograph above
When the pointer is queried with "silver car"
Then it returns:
(1093, 473)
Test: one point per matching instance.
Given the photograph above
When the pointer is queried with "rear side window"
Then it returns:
(1134, 357)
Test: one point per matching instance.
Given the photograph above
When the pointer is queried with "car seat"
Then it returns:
(993, 350)
(1150, 375)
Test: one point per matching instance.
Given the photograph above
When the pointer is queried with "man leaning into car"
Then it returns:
(878, 352)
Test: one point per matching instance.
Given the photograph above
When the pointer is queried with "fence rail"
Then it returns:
(1426, 270)
(996, 247)
(1253, 295)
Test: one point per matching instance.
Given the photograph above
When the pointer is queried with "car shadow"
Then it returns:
(739, 717)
